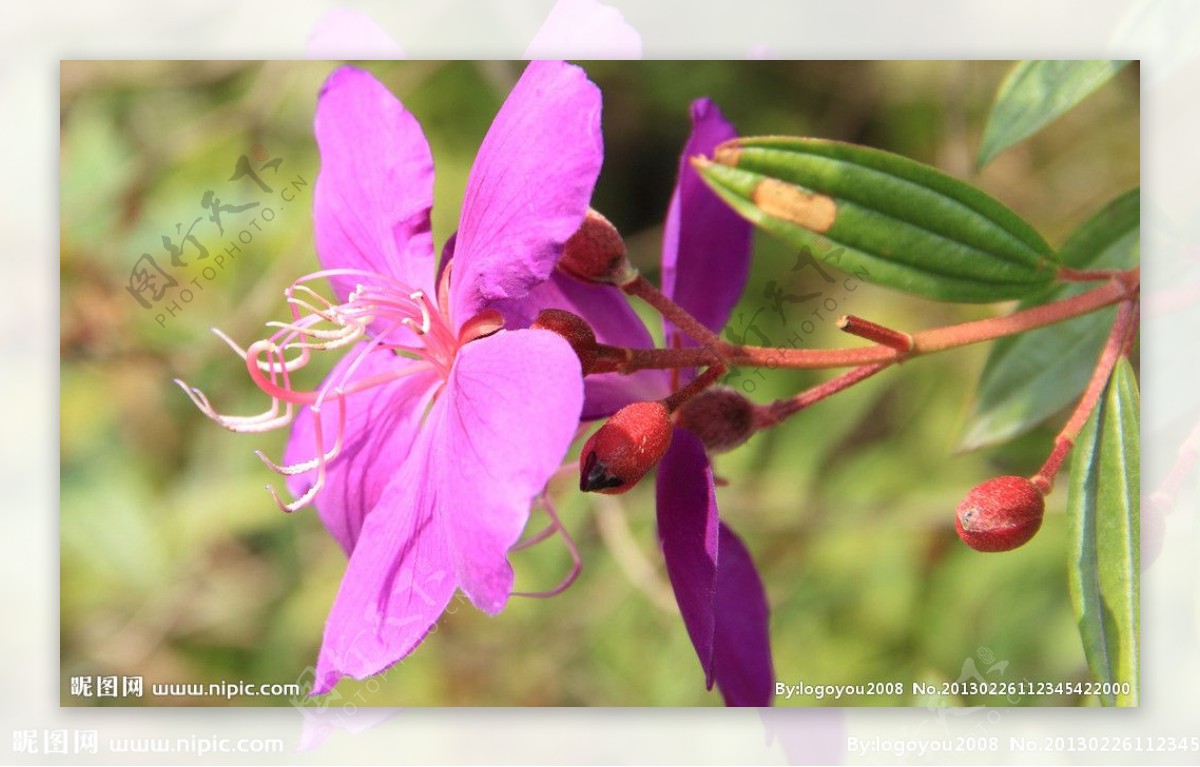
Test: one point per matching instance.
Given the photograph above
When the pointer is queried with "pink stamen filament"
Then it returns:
(536, 538)
(576, 561)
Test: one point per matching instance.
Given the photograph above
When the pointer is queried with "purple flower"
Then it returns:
(705, 260)
(425, 445)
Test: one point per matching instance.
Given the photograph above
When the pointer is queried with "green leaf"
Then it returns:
(1105, 523)
(893, 221)
(1030, 377)
(1034, 94)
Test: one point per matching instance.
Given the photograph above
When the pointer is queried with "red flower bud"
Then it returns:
(721, 417)
(1000, 514)
(596, 253)
(625, 448)
(575, 329)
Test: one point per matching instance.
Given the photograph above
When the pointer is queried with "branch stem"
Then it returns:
(1118, 340)
(643, 289)
(1122, 286)
(780, 410)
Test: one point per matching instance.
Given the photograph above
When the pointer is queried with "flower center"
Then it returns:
(388, 314)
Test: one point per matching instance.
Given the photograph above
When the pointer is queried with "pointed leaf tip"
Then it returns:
(1034, 94)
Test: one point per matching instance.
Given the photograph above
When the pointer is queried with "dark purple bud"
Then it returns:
(721, 417)
(596, 253)
(575, 329)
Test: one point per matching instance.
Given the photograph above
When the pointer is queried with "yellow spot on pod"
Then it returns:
(810, 210)
(728, 154)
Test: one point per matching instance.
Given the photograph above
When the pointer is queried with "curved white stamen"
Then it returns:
(318, 483)
(327, 339)
(327, 456)
(376, 309)
(232, 344)
(303, 500)
(265, 421)
(314, 295)
(323, 457)
(340, 332)
(423, 305)
(309, 295)
(303, 309)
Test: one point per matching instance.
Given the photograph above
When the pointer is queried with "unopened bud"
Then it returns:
(596, 253)
(721, 417)
(625, 448)
(575, 329)
(1000, 514)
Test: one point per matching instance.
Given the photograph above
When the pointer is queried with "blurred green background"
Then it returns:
(176, 566)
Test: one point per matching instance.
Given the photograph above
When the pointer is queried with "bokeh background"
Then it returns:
(176, 566)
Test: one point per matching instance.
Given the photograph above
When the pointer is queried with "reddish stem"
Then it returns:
(610, 359)
(1122, 286)
(1067, 274)
(1114, 347)
(642, 288)
(780, 410)
(697, 385)
(893, 339)
(667, 359)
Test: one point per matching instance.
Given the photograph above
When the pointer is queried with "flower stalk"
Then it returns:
(1121, 287)
(890, 347)
(1119, 338)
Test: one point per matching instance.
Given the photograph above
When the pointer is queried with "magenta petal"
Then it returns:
(742, 644)
(529, 187)
(688, 530)
(375, 187)
(398, 581)
(706, 246)
(502, 426)
(381, 426)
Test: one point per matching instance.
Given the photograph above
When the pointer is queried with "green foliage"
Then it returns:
(1105, 525)
(903, 224)
(1036, 93)
(1030, 377)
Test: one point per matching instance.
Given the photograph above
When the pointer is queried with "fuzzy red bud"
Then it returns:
(625, 448)
(575, 329)
(596, 253)
(1000, 514)
(721, 417)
